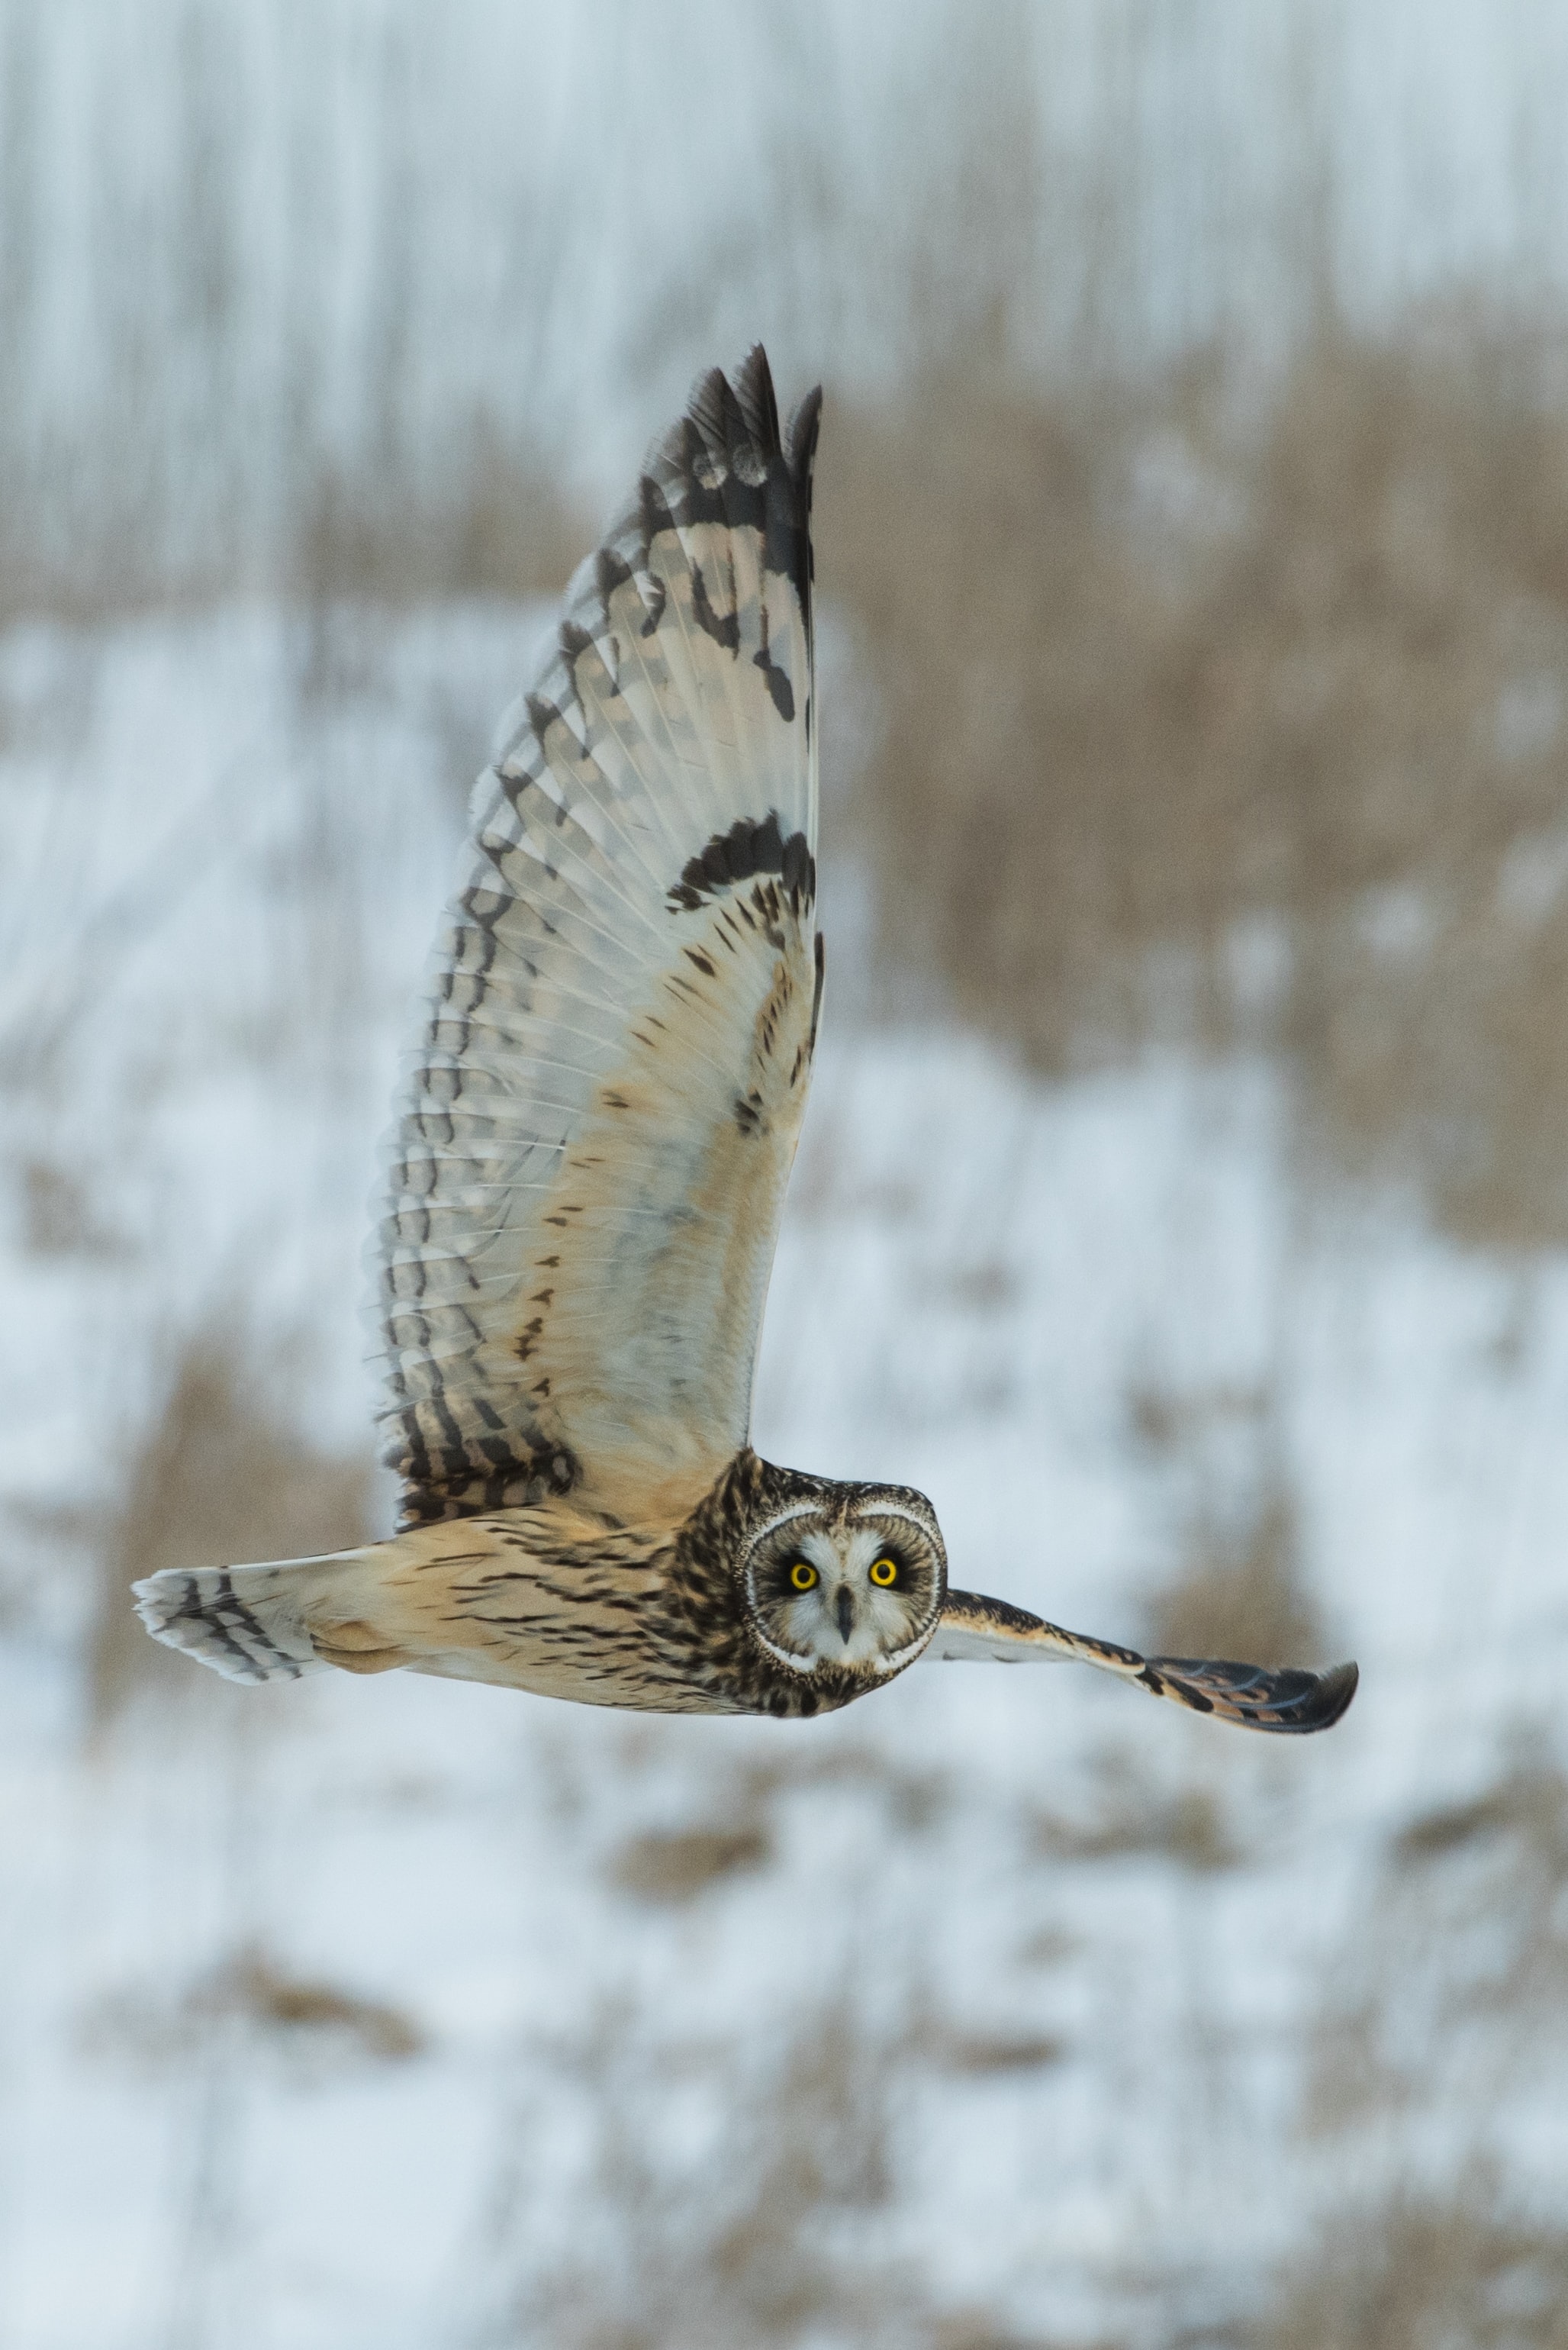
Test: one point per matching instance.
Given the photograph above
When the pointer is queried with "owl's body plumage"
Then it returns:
(586, 1179)
(654, 1616)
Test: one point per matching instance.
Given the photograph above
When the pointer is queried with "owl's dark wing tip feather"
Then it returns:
(800, 443)
(755, 393)
(1291, 1701)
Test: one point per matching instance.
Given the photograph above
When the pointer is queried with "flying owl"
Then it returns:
(586, 1177)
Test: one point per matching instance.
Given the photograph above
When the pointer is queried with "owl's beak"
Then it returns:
(846, 1612)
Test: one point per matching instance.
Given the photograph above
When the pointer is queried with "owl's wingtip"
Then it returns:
(1332, 1699)
(1289, 1702)
(754, 384)
(800, 442)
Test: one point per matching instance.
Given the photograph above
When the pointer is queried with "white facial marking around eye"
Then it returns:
(845, 1615)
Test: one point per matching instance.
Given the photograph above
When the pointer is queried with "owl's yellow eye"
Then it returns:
(885, 1571)
(803, 1575)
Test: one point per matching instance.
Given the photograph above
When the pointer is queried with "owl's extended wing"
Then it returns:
(599, 1119)
(1292, 1701)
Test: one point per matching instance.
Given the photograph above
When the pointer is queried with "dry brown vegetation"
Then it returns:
(1465, 2274)
(1240, 1590)
(313, 2023)
(674, 1867)
(786, 2231)
(259, 1991)
(784, 2238)
(1253, 731)
(1456, 1987)
(1132, 1819)
(503, 529)
(671, 1866)
(777, 2241)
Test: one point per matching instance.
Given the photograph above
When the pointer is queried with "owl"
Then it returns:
(585, 1180)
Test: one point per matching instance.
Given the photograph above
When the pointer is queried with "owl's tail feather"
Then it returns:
(249, 1623)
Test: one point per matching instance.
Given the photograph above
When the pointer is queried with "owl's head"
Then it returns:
(849, 1581)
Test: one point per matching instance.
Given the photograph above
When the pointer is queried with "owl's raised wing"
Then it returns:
(972, 1627)
(599, 1119)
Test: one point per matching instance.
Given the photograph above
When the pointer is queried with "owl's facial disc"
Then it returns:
(862, 1591)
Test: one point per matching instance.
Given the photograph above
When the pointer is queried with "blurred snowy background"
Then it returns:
(1193, 544)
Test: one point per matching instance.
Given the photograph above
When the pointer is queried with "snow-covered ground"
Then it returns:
(393, 2013)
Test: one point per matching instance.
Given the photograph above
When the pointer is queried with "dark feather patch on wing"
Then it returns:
(747, 849)
(1292, 1701)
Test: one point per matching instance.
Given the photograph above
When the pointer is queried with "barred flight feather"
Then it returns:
(597, 1122)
